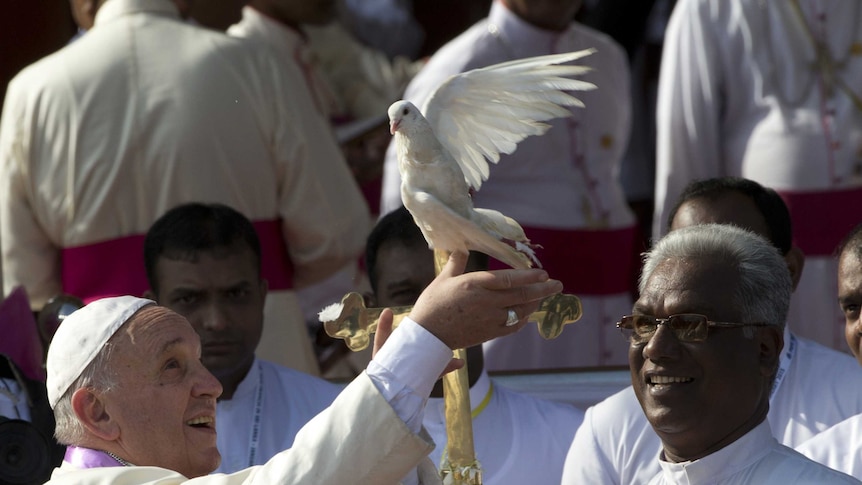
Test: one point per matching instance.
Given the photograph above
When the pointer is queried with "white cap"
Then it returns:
(80, 338)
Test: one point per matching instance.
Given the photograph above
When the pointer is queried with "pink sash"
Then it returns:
(822, 219)
(116, 267)
(600, 262)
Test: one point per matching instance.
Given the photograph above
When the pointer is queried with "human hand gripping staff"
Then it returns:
(520, 291)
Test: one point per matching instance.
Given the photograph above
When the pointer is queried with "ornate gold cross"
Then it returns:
(356, 323)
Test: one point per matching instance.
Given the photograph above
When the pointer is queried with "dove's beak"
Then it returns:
(393, 126)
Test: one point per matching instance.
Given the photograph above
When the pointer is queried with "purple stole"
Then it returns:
(80, 457)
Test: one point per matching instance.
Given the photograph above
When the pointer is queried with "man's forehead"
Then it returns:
(208, 269)
(730, 207)
(692, 285)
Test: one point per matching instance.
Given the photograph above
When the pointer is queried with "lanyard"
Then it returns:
(783, 365)
(254, 439)
(481, 407)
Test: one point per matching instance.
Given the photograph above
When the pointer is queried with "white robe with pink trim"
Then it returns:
(563, 187)
(146, 112)
(738, 96)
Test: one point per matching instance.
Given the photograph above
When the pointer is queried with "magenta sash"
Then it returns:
(116, 267)
(587, 262)
(822, 219)
(80, 457)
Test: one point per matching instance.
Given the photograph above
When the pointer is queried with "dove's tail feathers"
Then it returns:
(504, 252)
(499, 224)
(510, 233)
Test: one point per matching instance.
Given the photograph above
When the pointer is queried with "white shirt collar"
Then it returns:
(272, 28)
(520, 37)
(740, 454)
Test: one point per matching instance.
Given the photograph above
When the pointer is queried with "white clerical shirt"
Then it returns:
(754, 459)
(518, 438)
(839, 447)
(268, 408)
(617, 446)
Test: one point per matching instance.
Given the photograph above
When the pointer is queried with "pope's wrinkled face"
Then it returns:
(850, 299)
(164, 401)
(697, 394)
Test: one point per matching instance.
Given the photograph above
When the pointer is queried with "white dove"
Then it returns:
(469, 120)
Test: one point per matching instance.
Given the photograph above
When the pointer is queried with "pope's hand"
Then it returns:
(384, 330)
(467, 309)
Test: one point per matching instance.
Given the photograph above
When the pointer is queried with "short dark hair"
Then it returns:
(189, 229)
(397, 226)
(770, 205)
(852, 242)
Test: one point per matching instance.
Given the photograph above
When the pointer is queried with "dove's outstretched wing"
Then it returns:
(479, 114)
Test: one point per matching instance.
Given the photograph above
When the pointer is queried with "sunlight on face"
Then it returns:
(164, 402)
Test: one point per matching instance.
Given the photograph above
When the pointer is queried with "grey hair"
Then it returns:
(97, 376)
(764, 289)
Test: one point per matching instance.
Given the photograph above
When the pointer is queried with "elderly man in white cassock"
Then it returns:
(705, 338)
(136, 406)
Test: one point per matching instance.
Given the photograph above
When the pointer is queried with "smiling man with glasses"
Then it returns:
(704, 344)
(616, 445)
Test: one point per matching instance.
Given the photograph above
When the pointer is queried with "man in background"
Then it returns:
(512, 432)
(146, 112)
(563, 188)
(203, 262)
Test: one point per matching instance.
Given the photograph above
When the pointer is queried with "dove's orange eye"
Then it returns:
(404, 112)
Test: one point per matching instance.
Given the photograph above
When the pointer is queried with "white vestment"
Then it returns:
(518, 438)
(370, 435)
(617, 446)
(739, 95)
(754, 459)
(839, 447)
(563, 186)
(268, 408)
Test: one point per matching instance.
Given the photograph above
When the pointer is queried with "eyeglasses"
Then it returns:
(687, 327)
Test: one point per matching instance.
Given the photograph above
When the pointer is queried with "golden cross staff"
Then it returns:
(356, 324)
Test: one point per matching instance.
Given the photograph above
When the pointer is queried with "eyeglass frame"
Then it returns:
(665, 321)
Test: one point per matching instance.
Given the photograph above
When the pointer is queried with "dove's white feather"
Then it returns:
(434, 191)
(473, 118)
(446, 229)
(482, 113)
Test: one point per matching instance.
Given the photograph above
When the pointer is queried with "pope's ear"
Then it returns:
(90, 409)
(770, 343)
